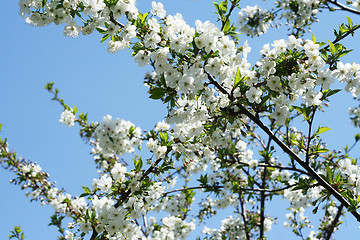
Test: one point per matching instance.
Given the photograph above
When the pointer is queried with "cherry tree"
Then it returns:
(237, 135)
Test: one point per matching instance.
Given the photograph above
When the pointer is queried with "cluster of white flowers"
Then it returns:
(61, 12)
(350, 172)
(254, 21)
(349, 74)
(158, 9)
(65, 203)
(32, 169)
(233, 228)
(117, 136)
(300, 12)
(116, 220)
(67, 118)
(306, 77)
(295, 216)
(299, 203)
(173, 228)
(297, 199)
(158, 150)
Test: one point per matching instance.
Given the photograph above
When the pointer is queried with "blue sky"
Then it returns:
(98, 83)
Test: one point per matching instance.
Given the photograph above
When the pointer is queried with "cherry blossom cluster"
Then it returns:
(172, 228)
(350, 171)
(233, 228)
(306, 80)
(254, 21)
(298, 199)
(117, 136)
(67, 117)
(300, 13)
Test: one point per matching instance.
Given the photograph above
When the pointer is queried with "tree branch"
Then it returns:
(243, 214)
(344, 7)
(309, 136)
(330, 229)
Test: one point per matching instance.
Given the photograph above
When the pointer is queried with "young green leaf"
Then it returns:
(322, 129)
(332, 48)
(157, 93)
(237, 78)
(106, 36)
(313, 38)
(357, 136)
(350, 22)
(226, 26)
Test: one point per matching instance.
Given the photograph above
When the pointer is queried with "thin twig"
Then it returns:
(344, 7)
(243, 214)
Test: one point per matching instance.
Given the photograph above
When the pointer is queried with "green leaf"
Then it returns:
(332, 48)
(237, 78)
(101, 30)
(305, 111)
(203, 180)
(137, 47)
(343, 53)
(357, 136)
(226, 26)
(0, 126)
(142, 18)
(322, 129)
(223, 6)
(157, 93)
(350, 22)
(164, 137)
(106, 36)
(313, 38)
(49, 86)
(322, 150)
(324, 54)
(86, 190)
(329, 173)
(314, 211)
(138, 164)
(328, 93)
(217, 7)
